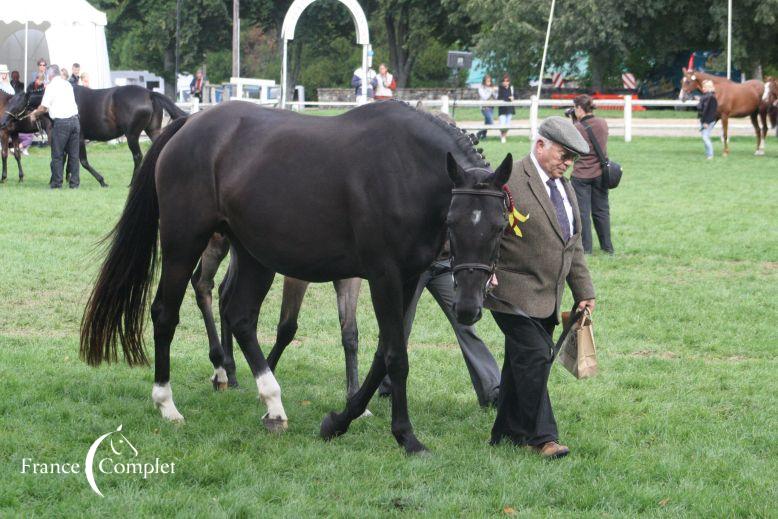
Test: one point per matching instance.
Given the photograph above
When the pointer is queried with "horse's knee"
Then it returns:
(350, 340)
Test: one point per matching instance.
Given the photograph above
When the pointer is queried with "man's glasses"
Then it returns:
(569, 155)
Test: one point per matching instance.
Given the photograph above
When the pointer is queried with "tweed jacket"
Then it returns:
(532, 269)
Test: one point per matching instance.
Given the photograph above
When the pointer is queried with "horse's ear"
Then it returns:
(503, 171)
(455, 173)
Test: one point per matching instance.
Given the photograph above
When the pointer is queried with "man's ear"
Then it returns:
(455, 173)
(503, 172)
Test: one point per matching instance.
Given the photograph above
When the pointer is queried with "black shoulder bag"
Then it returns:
(611, 171)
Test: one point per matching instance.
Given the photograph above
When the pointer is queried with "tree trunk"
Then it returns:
(397, 33)
(169, 66)
(597, 66)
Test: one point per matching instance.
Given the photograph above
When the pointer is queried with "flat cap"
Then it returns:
(562, 131)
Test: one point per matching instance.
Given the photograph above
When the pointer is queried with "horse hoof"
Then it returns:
(172, 416)
(103, 184)
(219, 386)
(328, 429)
(416, 448)
(759, 153)
(233, 384)
(274, 425)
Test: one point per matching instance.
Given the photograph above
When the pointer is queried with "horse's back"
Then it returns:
(331, 186)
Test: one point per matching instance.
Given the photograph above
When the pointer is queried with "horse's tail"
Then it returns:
(119, 298)
(163, 102)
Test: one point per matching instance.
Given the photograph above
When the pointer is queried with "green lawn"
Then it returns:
(680, 422)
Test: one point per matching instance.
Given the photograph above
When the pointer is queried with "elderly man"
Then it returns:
(60, 102)
(537, 256)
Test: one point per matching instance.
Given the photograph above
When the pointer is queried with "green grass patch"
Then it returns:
(680, 422)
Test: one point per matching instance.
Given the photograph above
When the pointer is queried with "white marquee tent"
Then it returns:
(62, 32)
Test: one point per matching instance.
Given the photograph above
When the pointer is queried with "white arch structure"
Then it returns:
(293, 16)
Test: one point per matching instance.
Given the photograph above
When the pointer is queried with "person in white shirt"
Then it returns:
(60, 102)
(5, 84)
(486, 91)
(385, 84)
(357, 83)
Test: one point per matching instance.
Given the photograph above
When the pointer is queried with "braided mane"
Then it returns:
(464, 140)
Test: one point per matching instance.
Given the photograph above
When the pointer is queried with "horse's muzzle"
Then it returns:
(467, 314)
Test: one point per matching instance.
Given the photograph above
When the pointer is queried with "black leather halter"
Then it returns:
(489, 269)
(21, 114)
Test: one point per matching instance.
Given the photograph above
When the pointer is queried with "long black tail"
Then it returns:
(119, 299)
(164, 102)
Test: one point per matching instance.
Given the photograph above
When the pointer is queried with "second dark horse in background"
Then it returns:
(347, 291)
(108, 113)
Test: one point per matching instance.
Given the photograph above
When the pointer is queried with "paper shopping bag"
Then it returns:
(577, 352)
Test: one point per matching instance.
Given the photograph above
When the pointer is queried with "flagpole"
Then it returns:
(545, 47)
(729, 39)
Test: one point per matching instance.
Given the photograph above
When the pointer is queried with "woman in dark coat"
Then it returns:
(707, 112)
(505, 93)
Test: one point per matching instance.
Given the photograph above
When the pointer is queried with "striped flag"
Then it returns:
(557, 79)
(630, 83)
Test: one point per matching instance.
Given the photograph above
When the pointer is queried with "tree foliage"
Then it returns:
(412, 36)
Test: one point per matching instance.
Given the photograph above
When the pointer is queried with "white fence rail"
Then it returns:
(445, 105)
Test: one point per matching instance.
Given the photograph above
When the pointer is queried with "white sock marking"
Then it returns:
(220, 375)
(270, 394)
(163, 399)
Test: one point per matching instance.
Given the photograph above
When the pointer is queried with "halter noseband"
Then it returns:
(489, 269)
(18, 116)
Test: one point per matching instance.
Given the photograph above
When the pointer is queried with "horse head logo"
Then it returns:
(121, 442)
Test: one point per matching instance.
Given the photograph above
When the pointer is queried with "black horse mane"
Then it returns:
(465, 141)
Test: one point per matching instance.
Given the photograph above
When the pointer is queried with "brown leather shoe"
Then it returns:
(550, 450)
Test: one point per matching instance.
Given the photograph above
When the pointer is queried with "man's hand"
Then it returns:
(586, 303)
(33, 115)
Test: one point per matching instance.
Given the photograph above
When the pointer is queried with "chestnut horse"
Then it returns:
(734, 99)
(769, 105)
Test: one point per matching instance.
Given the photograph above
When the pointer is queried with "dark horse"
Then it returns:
(13, 122)
(221, 352)
(382, 209)
(109, 113)
(734, 100)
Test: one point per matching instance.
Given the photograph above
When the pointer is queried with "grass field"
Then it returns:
(682, 420)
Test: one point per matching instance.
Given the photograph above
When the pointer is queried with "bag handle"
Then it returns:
(595, 143)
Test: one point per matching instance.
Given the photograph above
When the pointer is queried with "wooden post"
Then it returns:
(628, 118)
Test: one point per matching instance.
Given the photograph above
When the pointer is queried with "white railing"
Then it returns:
(446, 104)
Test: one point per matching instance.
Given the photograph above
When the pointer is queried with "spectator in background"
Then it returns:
(486, 92)
(385, 84)
(356, 82)
(5, 84)
(63, 72)
(38, 84)
(587, 179)
(17, 85)
(40, 72)
(196, 86)
(84, 82)
(75, 74)
(707, 112)
(505, 93)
